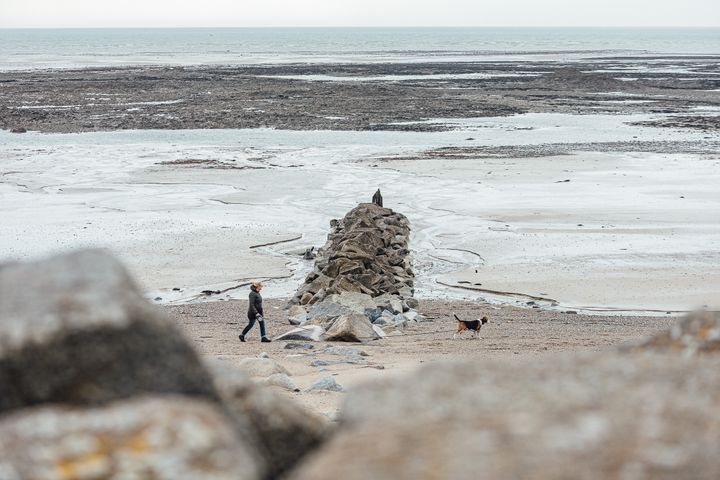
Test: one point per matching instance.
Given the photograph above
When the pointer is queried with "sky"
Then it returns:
(305, 13)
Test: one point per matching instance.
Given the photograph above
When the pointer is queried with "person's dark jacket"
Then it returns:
(254, 304)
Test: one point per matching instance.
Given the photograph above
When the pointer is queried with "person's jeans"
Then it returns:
(250, 324)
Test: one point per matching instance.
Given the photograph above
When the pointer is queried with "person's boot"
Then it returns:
(265, 340)
(241, 337)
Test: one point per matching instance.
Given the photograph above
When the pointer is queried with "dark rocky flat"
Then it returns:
(251, 97)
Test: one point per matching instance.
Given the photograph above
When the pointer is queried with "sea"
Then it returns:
(27, 49)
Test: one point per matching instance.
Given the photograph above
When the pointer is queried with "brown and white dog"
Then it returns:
(473, 325)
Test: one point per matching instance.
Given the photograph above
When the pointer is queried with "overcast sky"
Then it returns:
(259, 13)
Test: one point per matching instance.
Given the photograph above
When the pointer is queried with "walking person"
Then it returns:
(255, 312)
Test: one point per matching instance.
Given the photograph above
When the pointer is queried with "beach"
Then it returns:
(515, 335)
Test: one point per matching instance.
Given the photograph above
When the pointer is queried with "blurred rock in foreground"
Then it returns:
(157, 438)
(606, 416)
(697, 333)
(75, 329)
(95, 383)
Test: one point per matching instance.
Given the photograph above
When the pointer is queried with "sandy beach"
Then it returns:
(513, 334)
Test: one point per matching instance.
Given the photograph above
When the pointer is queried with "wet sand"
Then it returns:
(586, 185)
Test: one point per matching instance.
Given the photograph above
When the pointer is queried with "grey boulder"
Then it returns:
(328, 384)
(351, 328)
(328, 308)
(75, 329)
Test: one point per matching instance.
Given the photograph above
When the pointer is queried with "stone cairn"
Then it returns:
(364, 269)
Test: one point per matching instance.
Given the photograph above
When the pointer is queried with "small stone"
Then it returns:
(298, 346)
(321, 363)
(327, 383)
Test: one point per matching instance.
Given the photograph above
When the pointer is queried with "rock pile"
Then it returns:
(366, 252)
(364, 269)
(96, 383)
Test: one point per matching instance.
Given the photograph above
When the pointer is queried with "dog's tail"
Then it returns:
(456, 317)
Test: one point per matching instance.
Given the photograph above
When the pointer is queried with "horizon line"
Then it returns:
(117, 27)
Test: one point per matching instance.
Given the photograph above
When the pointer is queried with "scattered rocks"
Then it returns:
(18, 130)
(327, 383)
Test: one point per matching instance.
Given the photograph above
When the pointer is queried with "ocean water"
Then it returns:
(23, 49)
